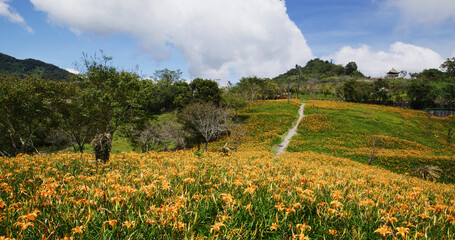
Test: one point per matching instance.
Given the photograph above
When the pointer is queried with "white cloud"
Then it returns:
(400, 56)
(216, 37)
(73, 71)
(12, 15)
(425, 11)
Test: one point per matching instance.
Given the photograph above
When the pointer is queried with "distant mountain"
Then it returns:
(31, 67)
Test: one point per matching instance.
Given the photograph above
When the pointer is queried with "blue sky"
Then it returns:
(225, 40)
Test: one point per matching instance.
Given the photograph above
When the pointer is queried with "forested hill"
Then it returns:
(31, 67)
(322, 69)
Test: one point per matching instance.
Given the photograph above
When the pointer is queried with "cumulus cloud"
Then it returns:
(12, 15)
(425, 11)
(400, 56)
(216, 37)
(73, 71)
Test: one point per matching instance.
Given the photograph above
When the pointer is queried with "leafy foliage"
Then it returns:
(27, 105)
(205, 91)
(449, 66)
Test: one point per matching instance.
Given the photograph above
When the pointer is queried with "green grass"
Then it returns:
(397, 139)
(119, 145)
(268, 121)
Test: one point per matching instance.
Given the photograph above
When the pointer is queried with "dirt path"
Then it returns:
(293, 131)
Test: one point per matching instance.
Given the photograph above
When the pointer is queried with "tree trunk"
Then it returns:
(102, 144)
(206, 144)
(81, 147)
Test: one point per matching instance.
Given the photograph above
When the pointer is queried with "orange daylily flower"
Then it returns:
(402, 231)
(216, 227)
(384, 230)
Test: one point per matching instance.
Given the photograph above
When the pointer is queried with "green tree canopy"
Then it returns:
(431, 74)
(205, 91)
(449, 66)
(421, 94)
(27, 105)
(350, 68)
(112, 94)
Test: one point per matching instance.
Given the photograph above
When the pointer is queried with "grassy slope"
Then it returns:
(403, 139)
(119, 145)
(266, 122)
(246, 195)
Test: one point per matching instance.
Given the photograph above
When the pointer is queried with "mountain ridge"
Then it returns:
(31, 67)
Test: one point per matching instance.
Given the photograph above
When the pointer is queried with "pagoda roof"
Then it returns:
(393, 71)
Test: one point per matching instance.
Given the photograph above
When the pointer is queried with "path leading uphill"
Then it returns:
(293, 131)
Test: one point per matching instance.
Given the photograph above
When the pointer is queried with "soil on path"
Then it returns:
(293, 131)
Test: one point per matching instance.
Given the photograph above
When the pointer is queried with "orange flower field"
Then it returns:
(396, 139)
(244, 195)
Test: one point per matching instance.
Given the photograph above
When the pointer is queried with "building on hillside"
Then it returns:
(441, 112)
(393, 73)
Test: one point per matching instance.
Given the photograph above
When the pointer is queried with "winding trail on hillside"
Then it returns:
(293, 131)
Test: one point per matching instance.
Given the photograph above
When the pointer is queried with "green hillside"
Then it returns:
(397, 139)
(244, 194)
(31, 67)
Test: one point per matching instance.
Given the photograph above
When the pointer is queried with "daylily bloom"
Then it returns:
(402, 231)
(383, 230)
(216, 227)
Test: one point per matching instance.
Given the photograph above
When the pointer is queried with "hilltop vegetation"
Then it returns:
(30, 67)
(324, 80)
(246, 194)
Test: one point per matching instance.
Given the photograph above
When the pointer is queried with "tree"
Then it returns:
(449, 66)
(233, 100)
(102, 144)
(249, 87)
(357, 91)
(350, 68)
(167, 77)
(181, 95)
(431, 74)
(313, 87)
(403, 73)
(413, 75)
(207, 120)
(421, 95)
(77, 120)
(27, 105)
(172, 132)
(149, 137)
(205, 91)
(269, 89)
(161, 133)
(169, 91)
(380, 88)
(447, 95)
(349, 90)
(112, 93)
